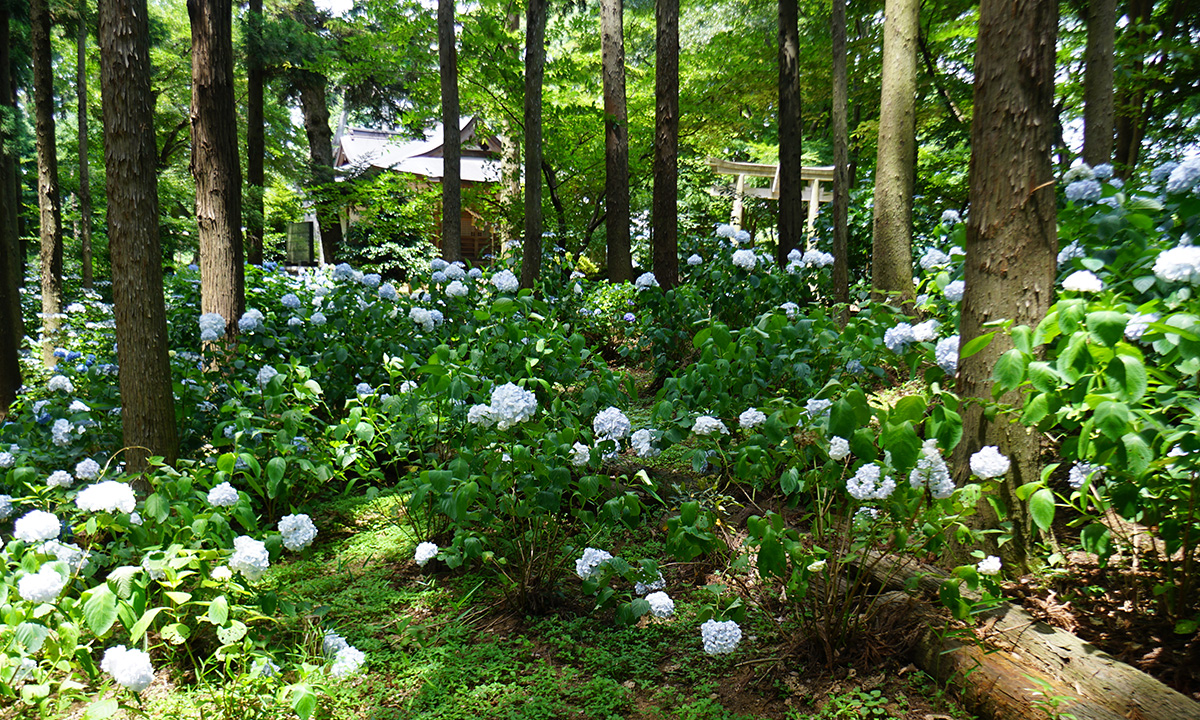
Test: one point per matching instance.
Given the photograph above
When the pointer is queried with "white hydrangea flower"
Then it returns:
(989, 463)
(87, 469)
(641, 588)
(1138, 324)
(109, 496)
(333, 643)
(61, 382)
(707, 425)
(1073, 251)
(720, 637)
(816, 259)
(751, 418)
(790, 309)
(290, 301)
(42, 586)
(347, 662)
(223, 495)
(1179, 264)
(251, 320)
(745, 259)
(954, 291)
(512, 404)
(265, 375)
(694, 260)
(60, 478)
(362, 389)
(926, 331)
(62, 432)
(867, 485)
(645, 281)
(481, 415)
(611, 424)
(839, 448)
(129, 667)
(36, 526)
(70, 553)
(642, 443)
(298, 531)
(817, 407)
(661, 604)
(456, 289)
(7, 460)
(426, 551)
(221, 573)
(589, 564)
(1081, 471)
(951, 217)
(988, 566)
(1184, 176)
(580, 454)
(250, 557)
(422, 317)
(726, 230)
(6, 507)
(946, 354)
(897, 338)
(931, 472)
(934, 258)
(1083, 281)
(505, 281)
(78, 406)
(212, 327)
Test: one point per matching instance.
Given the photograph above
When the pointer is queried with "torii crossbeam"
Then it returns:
(812, 193)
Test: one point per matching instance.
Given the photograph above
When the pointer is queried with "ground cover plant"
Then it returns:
(458, 497)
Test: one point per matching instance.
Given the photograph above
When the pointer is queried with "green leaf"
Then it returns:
(1009, 371)
(1112, 418)
(157, 508)
(100, 609)
(275, 469)
(1043, 376)
(1097, 540)
(1127, 375)
(974, 345)
(910, 408)
(771, 558)
(143, 623)
(902, 441)
(365, 432)
(1106, 326)
(218, 610)
(1041, 508)
(101, 709)
(1138, 454)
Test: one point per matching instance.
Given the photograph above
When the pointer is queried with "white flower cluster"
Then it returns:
(6, 507)
(867, 485)
(1083, 281)
(87, 469)
(745, 259)
(946, 354)
(42, 586)
(1074, 251)
(707, 425)
(931, 472)
(512, 404)
(790, 309)
(481, 415)
(298, 531)
(954, 291)
(645, 281)
(694, 260)
(223, 495)
(898, 338)
(109, 496)
(580, 454)
(589, 564)
(318, 318)
(988, 566)
(817, 407)
(61, 382)
(951, 217)
(934, 258)
(60, 478)
(363, 389)
(839, 448)
(989, 463)
(250, 321)
(250, 557)
(426, 551)
(751, 418)
(290, 301)
(422, 317)
(642, 588)
(1081, 471)
(926, 331)
(73, 555)
(720, 637)
(347, 662)
(661, 604)
(78, 406)
(37, 525)
(7, 460)
(265, 375)
(1179, 264)
(456, 289)
(816, 259)
(130, 667)
(1138, 324)
(455, 270)
(61, 432)
(505, 281)
(642, 443)
(611, 424)
(1083, 191)
(1184, 176)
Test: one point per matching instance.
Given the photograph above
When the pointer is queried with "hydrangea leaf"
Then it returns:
(1041, 508)
(1106, 326)
(100, 609)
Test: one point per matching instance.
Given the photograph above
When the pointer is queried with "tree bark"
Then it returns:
(841, 161)
(535, 69)
(791, 207)
(1098, 114)
(315, 107)
(616, 141)
(85, 189)
(1131, 107)
(452, 136)
(215, 164)
(49, 199)
(665, 213)
(1011, 233)
(891, 253)
(148, 406)
(252, 208)
(12, 329)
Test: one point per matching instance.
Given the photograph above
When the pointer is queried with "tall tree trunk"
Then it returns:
(841, 161)
(147, 404)
(891, 253)
(215, 163)
(85, 189)
(452, 136)
(49, 199)
(315, 106)
(1011, 235)
(791, 206)
(535, 69)
(616, 141)
(252, 208)
(665, 221)
(1131, 105)
(1098, 115)
(11, 327)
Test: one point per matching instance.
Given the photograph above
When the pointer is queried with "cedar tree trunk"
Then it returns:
(535, 69)
(252, 208)
(791, 206)
(49, 201)
(452, 135)
(12, 329)
(1098, 116)
(841, 160)
(85, 189)
(315, 106)
(665, 221)
(616, 141)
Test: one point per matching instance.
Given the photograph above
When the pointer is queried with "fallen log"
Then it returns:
(1000, 682)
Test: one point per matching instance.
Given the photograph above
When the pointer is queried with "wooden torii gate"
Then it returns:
(812, 193)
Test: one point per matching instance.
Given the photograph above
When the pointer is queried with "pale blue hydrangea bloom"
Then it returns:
(298, 531)
(869, 483)
(363, 388)
(931, 472)
(295, 321)
(745, 259)
(212, 327)
(720, 637)
(455, 271)
(60, 478)
(989, 463)
(223, 495)
(87, 469)
(645, 281)
(946, 354)
(589, 564)
(1071, 252)
(505, 281)
(1184, 176)
(61, 382)
(951, 217)
(318, 318)
(370, 279)
(1081, 471)
(1179, 264)
(387, 291)
(347, 662)
(816, 259)
(611, 424)
(456, 289)
(925, 331)
(1083, 191)
(954, 291)
(694, 260)
(265, 375)
(290, 301)
(511, 405)
(250, 557)
(839, 448)
(642, 443)
(661, 604)
(1138, 324)
(898, 338)
(708, 425)
(580, 454)
(751, 418)
(934, 258)
(250, 321)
